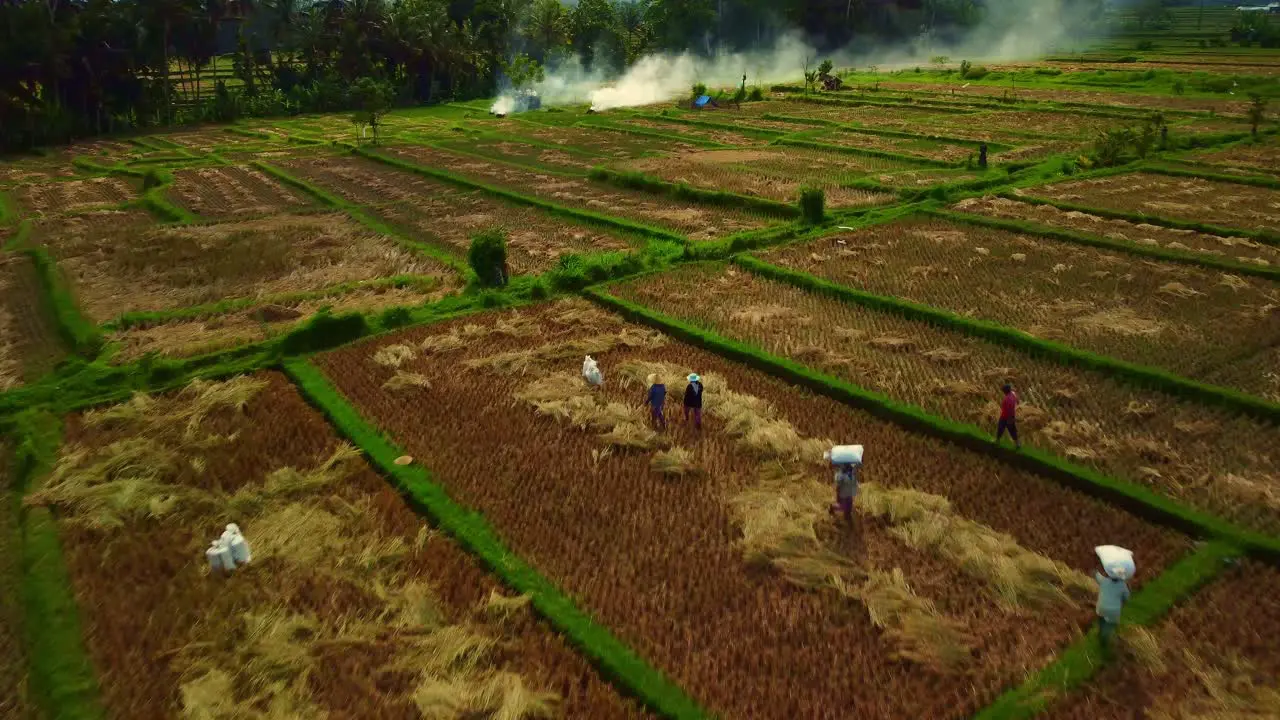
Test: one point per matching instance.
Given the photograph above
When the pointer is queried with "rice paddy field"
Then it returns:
(1186, 319)
(283, 324)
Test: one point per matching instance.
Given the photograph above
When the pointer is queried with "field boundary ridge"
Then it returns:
(62, 677)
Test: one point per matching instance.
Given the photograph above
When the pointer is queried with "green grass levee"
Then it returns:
(614, 659)
(62, 678)
(1134, 498)
(1083, 659)
(81, 334)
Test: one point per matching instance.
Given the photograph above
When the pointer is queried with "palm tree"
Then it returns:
(548, 27)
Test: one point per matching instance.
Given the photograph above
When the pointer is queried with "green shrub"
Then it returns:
(395, 317)
(488, 256)
(978, 73)
(965, 67)
(756, 95)
(813, 203)
(323, 331)
(539, 291)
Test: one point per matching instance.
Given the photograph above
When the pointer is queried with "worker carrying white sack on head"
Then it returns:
(848, 460)
(1113, 590)
(591, 372)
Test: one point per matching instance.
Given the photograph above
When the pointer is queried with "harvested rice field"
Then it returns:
(1179, 198)
(50, 198)
(1238, 249)
(1222, 462)
(259, 322)
(1248, 158)
(749, 596)
(596, 140)
(699, 222)
(1205, 660)
(535, 240)
(222, 192)
(543, 157)
(122, 269)
(29, 342)
(773, 173)
(1174, 316)
(1138, 101)
(709, 134)
(361, 181)
(352, 605)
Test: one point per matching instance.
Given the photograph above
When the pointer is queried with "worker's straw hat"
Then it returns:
(693, 377)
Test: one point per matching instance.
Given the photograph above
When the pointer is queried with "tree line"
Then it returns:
(78, 68)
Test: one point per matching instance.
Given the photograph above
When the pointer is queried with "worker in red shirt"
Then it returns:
(1008, 416)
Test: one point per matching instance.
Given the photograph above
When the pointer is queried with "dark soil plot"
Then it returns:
(776, 173)
(598, 141)
(1216, 656)
(29, 342)
(1178, 198)
(917, 147)
(1245, 159)
(1141, 234)
(1063, 124)
(700, 222)
(535, 240)
(120, 269)
(1218, 461)
(51, 198)
(661, 561)
(1169, 315)
(510, 150)
(352, 606)
(718, 135)
(221, 192)
(361, 181)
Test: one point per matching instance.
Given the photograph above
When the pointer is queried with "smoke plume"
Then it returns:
(1010, 30)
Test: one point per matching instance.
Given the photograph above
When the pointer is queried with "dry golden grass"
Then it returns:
(264, 667)
(170, 267)
(922, 634)
(186, 338)
(1016, 576)
(677, 461)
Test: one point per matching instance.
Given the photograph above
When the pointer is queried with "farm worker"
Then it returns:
(693, 400)
(848, 461)
(591, 372)
(656, 398)
(1008, 416)
(1113, 592)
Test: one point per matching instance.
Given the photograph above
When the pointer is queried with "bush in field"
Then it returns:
(813, 203)
(323, 331)
(372, 99)
(965, 67)
(488, 256)
(756, 94)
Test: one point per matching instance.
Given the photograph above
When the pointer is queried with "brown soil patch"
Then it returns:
(1100, 97)
(29, 341)
(228, 191)
(693, 564)
(1252, 158)
(697, 221)
(1146, 235)
(122, 270)
(1179, 198)
(58, 197)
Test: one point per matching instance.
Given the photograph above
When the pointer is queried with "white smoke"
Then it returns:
(1011, 30)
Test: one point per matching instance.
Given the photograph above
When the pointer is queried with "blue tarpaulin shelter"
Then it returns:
(702, 101)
